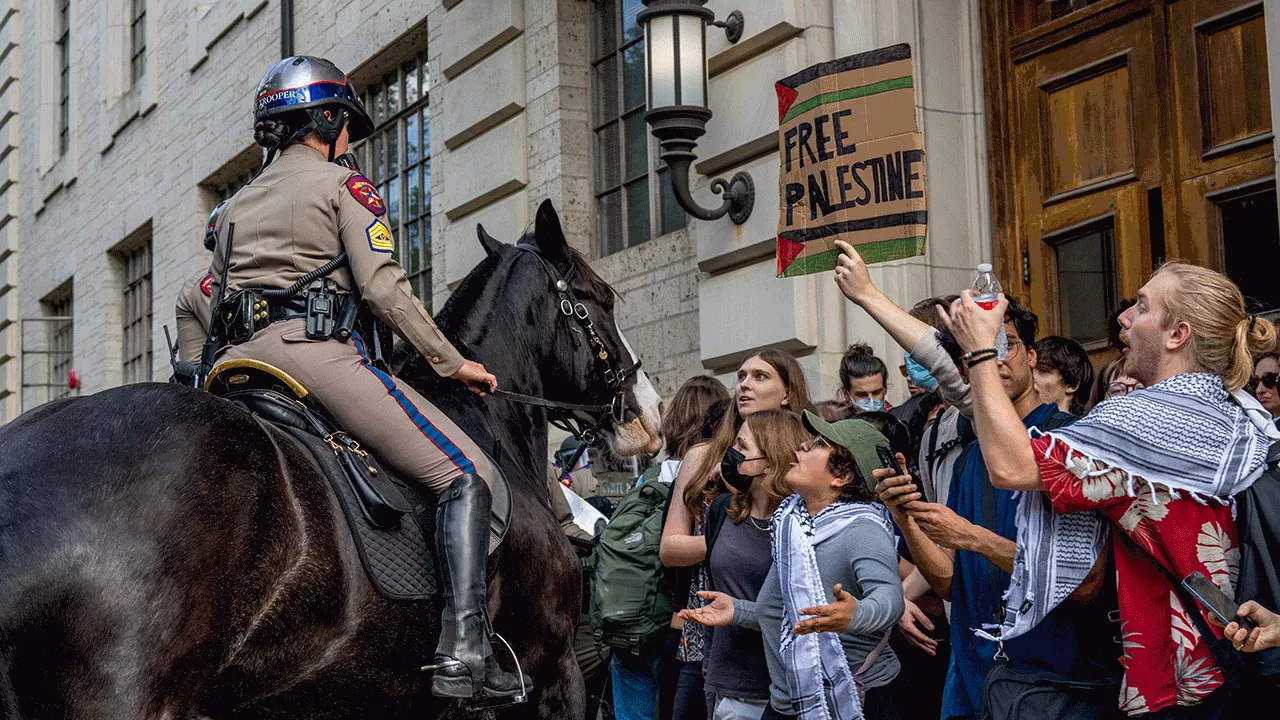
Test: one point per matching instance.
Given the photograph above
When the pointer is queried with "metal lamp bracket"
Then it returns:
(732, 25)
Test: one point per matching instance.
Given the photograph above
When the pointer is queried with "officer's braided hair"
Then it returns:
(271, 133)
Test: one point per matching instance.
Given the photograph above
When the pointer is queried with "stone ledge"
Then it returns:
(484, 96)
(473, 29)
(489, 167)
(782, 313)
(204, 31)
(505, 220)
(721, 245)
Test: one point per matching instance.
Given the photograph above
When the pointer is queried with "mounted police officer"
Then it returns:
(300, 213)
(191, 311)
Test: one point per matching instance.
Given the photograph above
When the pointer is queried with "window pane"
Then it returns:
(606, 91)
(637, 140)
(638, 211)
(426, 246)
(605, 21)
(411, 139)
(1049, 10)
(378, 168)
(426, 187)
(393, 151)
(393, 202)
(411, 79)
(379, 108)
(393, 94)
(1251, 246)
(633, 76)
(608, 150)
(673, 216)
(413, 248)
(610, 217)
(630, 30)
(1087, 283)
(413, 194)
(424, 290)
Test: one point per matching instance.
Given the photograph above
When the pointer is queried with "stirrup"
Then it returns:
(485, 702)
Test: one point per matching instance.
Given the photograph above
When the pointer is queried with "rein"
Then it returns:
(564, 418)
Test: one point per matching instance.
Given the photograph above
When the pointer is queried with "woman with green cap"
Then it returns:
(831, 533)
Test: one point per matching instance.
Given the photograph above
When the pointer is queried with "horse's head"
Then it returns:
(573, 337)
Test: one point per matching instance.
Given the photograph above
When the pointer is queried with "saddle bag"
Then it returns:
(380, 502)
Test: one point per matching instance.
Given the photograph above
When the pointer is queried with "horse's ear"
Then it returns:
(491, 246)
(548, 234)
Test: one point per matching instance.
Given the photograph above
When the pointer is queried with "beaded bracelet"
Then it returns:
(975, 353)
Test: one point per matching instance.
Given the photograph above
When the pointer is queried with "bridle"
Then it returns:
(562, 414)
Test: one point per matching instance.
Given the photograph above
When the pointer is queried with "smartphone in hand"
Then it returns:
(1212, 598)
(888, 460)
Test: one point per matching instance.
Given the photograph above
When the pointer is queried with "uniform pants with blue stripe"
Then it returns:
(384, 414)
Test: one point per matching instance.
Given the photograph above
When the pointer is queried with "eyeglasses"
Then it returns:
(817, 442)
(1013, 348)
(1267, 380)
(1120, 388)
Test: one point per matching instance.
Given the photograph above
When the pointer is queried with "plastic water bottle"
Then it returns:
(986, 293)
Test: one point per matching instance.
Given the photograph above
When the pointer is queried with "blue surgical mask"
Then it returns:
(919, 375)
(870, 404)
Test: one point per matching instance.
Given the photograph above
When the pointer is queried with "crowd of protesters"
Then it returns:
(1009, 542)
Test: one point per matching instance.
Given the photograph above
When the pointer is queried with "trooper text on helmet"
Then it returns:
(312, 88)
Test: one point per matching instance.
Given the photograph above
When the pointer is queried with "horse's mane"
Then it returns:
(468, 292)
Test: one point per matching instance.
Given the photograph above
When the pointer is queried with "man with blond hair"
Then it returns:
(1157, 468)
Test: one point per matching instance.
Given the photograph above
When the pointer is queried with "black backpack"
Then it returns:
(1258, 525)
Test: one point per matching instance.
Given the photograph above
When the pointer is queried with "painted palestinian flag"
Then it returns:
(852, 162)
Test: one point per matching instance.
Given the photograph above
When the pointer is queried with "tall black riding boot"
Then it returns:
(464, 660)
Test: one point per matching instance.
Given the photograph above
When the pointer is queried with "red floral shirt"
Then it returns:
(1166, 661)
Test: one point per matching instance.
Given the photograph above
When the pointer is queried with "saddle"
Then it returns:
(392, 521)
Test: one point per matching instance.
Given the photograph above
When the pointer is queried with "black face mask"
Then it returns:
(729, 471)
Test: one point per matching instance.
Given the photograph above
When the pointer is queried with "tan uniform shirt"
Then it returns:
(301, 212)
(192, 315)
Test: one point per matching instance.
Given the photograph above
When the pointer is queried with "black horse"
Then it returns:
(166, 556)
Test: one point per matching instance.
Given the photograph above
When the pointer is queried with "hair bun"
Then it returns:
(270, 133)
(1260, 334)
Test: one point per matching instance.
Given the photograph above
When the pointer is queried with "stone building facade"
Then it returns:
(155, 99)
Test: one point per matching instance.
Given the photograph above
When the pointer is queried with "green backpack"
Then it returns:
(627, 603)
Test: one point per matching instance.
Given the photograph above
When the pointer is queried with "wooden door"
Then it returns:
(1086, 157)
(1223, 140)
(1123, 132)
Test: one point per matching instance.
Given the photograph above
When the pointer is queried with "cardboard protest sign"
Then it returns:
(852, 162)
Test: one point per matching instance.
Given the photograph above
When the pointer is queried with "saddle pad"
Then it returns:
(397, 562)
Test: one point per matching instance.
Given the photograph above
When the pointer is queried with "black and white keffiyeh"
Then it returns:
(821, 684)
(1185, 434)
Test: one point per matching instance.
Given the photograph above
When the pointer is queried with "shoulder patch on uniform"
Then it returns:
(206, 284)
(379, 237)
(366, 194)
